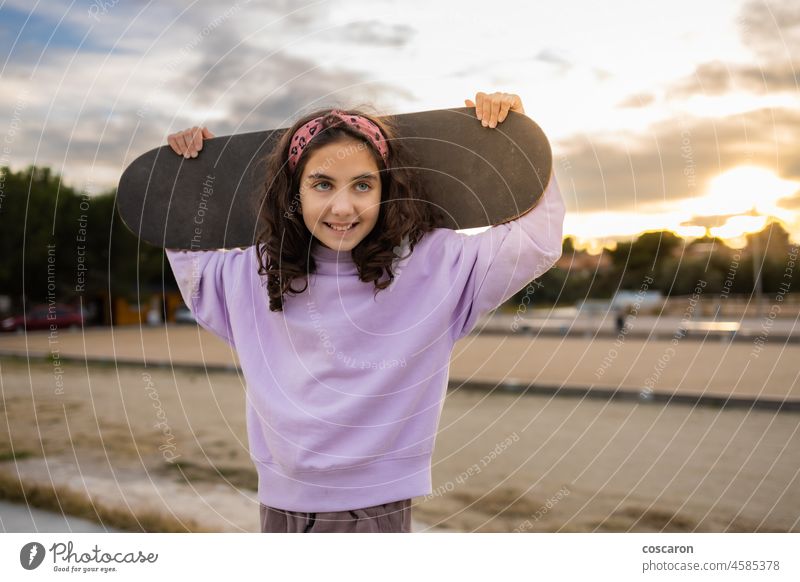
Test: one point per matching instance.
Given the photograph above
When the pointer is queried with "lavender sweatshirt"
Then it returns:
(345, 390)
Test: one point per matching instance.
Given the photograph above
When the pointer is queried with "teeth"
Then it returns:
(340, 228)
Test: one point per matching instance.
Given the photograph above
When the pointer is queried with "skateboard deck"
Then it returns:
(477, 176)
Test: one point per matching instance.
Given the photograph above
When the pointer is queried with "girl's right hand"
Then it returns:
(189, 141)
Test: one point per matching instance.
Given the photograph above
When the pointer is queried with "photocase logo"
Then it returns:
(31, 555)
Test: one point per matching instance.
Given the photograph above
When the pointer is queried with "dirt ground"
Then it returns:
(174, 442)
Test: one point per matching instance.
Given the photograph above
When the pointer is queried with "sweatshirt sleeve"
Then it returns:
(199, 275)
(505, 258)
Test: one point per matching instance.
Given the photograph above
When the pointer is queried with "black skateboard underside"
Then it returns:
(477, 176)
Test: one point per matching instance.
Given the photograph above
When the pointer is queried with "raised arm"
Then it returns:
(200, 274)
(201, 277)
(499, 262)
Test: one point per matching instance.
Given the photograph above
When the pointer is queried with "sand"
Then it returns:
(503, 462)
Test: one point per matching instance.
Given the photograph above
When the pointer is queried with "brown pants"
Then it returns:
(393, 517)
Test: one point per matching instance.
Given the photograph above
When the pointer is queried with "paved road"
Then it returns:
(775, 329)
(604, 366)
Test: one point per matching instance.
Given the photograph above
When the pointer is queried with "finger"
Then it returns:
(495, 110)
(505, 105)
(189, 133)
(178, 139)
(207, 133)
(185, 143)
(173, 143)
(516, 105)
(469, 103)
(479, 99)
(197, 138)
(197, 141)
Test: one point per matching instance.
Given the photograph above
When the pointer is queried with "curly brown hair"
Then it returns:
(284, 241)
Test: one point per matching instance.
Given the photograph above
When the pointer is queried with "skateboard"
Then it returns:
(477, 176)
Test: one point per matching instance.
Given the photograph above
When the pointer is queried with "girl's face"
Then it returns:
(340, 187)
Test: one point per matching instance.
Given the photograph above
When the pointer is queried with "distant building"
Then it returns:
(583, 262)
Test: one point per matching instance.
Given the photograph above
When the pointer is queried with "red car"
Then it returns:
(42, 317)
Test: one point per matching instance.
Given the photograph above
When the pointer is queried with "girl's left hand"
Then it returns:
(493, 109)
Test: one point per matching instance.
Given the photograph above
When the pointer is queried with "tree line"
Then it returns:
(60, 242)
(676, 265)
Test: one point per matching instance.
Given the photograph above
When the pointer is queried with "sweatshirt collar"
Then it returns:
(333, 262)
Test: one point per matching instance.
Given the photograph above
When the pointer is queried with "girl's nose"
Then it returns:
(342, 204)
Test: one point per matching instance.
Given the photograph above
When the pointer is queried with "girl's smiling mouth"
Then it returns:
(341, 228)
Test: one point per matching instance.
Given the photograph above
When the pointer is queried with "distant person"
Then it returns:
(622, 316)
(345, 384)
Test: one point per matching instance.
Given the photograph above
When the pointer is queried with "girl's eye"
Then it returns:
(367, 189)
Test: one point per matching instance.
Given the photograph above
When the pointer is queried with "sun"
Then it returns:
(744, 188)
(747, 196)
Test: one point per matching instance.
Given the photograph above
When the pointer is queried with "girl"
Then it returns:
(345, 313)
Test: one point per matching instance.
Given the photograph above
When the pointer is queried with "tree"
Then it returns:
(50, 233)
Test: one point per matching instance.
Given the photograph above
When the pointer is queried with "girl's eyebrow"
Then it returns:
(366, 176)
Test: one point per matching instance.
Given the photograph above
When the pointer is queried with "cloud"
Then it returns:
(772, 32)
(719, 78)
(104, 144)
(90, 113)
(637, 101)
(28, 38)
(791, 203)
(679, 157)
(675, 160)
(771, 29)
(375, 33)
(552, 57)
(310, 87)
(262, 89)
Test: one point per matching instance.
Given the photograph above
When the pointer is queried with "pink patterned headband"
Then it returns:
(305, 134)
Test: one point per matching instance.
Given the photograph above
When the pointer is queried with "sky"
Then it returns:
(682, 116)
